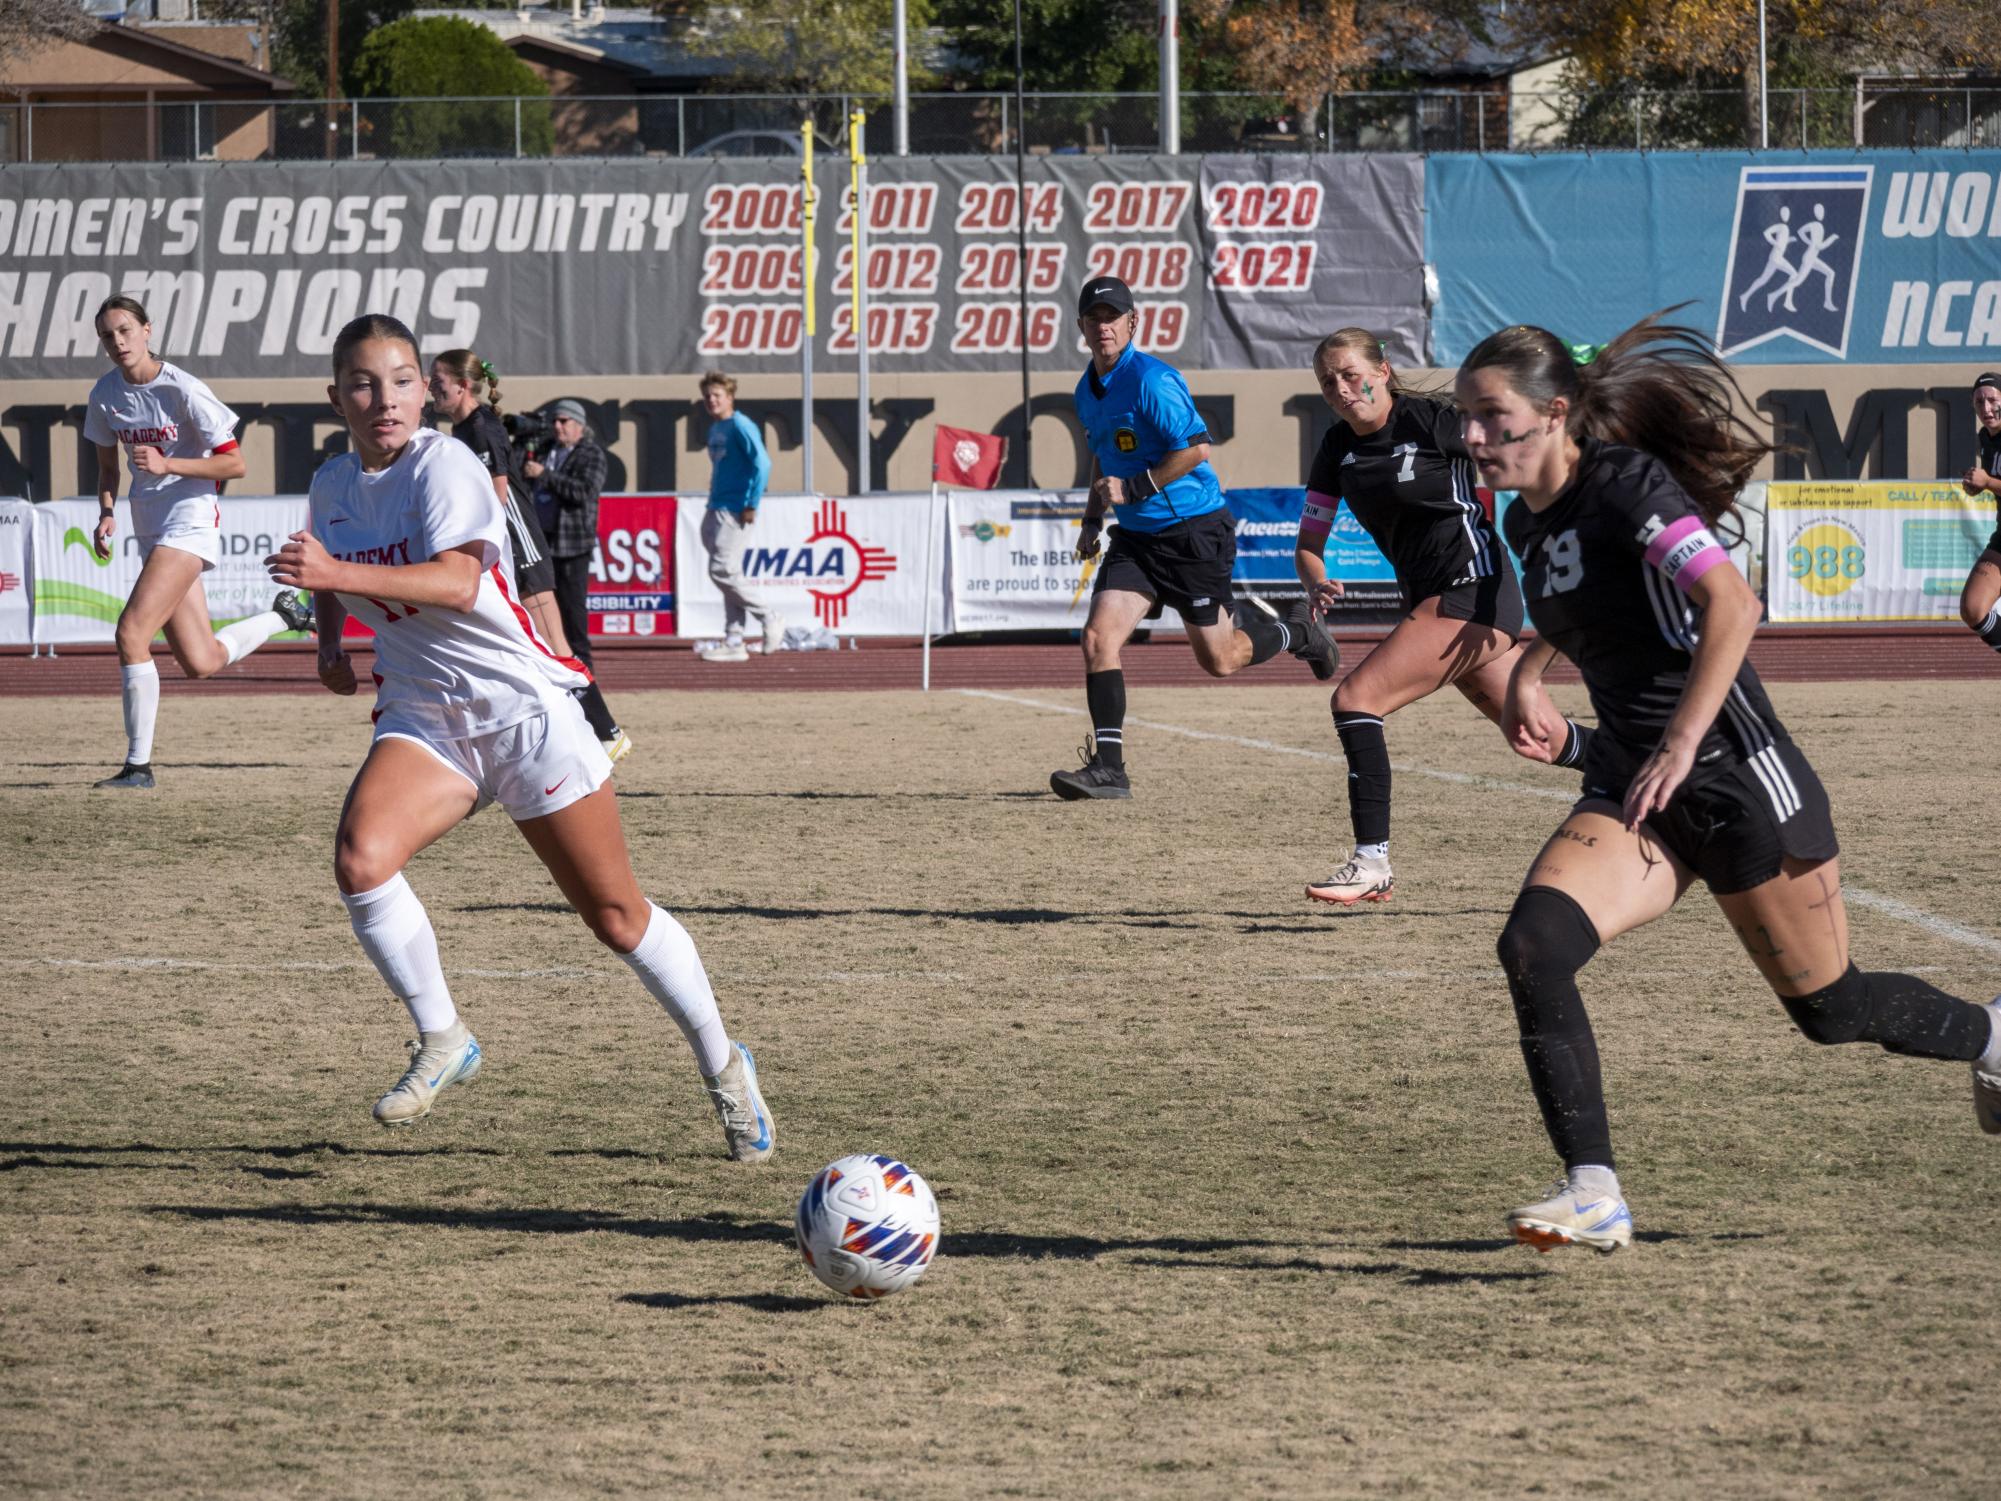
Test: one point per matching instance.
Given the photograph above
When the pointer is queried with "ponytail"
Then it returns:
(468, 369)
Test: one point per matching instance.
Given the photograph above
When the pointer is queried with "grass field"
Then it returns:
(1222, 1175)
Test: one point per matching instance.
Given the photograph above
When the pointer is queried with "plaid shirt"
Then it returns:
(575, 488)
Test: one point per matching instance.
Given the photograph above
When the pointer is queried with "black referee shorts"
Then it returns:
(1187, 565)
(1736, 832)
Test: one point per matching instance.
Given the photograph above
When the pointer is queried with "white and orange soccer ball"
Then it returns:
(867, 1225)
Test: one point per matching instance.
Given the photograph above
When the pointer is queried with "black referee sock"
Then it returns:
(1105, 696)
(1368, 756)
(1574, 745)
(1990, 628)
(1547, 940)
(1900, 1013)
(1269, 635)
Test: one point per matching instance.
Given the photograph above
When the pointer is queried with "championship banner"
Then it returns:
(632, 572)
(1013, 560)
(853, 566)
(1896, 550)
(16, 527)
(1267, 539)
(78, 595)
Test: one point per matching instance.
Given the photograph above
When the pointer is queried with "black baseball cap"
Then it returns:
(1985, 378)
(1108, 290)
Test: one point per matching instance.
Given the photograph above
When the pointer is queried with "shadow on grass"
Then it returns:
(760, 1302)
(280, 1150)
(1648, 1237)
(1004, 916)
(1411, 1276)
(1376, 913)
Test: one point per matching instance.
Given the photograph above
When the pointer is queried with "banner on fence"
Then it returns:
(1013, 560)
(1267, 539)
(17, 521)
(632, 573)
(1895, 550)
(1864, 257)
(854, 566)
(78, 595)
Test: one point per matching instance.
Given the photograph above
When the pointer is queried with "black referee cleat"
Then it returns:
(130, 778)
(1313, 646)
(1093, 779)
(295, 609)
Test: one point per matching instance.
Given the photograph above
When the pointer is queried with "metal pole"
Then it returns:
(810, 323)
(517, 125)
(1021, 245)
(333, 79)
(930, 577)
(1170, 77)
(681, 126)
(1764, 101)
(901, 104)
(858, 279)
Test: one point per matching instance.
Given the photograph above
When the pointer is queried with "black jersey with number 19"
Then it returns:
(1594, 593)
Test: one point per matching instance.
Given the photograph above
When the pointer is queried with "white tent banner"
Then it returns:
(78, 595)
(16, 576)
(855, 566)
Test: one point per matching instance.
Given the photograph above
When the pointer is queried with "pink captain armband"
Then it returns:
(1318, 518)
(1685, 551)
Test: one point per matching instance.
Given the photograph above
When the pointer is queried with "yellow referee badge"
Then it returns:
(1126, 440)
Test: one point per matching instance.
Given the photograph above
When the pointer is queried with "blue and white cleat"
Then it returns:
(438, 1061)
(740, 1106)
(1565, 1218)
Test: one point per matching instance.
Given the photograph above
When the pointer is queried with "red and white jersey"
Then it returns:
(176, 414)
(443, 671)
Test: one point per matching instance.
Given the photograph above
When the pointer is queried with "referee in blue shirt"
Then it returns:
(1175, 542)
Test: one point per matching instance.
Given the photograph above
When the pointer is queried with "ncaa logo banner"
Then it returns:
(854, 566)
(1813, 258)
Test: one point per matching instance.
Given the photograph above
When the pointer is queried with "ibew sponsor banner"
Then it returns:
(78, 595)
(1013, 560)
(1267, 542)
(632, 572)
(855, 566)
(16, 530)
(1864, 257)
(1889, 551)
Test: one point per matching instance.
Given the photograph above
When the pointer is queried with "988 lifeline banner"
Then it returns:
(596, 267)
(1853, 551)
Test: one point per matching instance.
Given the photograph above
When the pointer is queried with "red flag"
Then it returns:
(964, 460)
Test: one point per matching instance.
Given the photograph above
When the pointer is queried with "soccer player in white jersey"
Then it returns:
(471, 707)
(181, 442)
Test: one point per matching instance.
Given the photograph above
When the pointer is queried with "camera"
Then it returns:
(530, 432)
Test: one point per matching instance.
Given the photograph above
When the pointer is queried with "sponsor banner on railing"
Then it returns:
(17, 523)
(249, 269)
(853, 566)
(1013, 560)
(1897, 550)
(1267, 539)
(78, 595)
(632, 573)
(1864, 257)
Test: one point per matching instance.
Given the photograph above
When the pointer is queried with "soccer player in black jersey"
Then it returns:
(1625, 466)
(1397, 457)
(1980, 600)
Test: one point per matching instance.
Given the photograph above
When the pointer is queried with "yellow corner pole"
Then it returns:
(811, 210)
(808, 216)
(858, 280)
(857, 161)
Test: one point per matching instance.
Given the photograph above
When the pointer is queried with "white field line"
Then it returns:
(1888, 906)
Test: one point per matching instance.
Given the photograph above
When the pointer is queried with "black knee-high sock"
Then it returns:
(1105, 696)
(1989, 630)
(1368, 756)
(1547, 940)
(1900, 1013)
(1575, 744)
(1269, 635)
(598, 712)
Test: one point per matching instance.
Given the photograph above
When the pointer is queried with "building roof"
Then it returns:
(145, 46)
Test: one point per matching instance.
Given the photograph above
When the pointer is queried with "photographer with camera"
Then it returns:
(566, 477)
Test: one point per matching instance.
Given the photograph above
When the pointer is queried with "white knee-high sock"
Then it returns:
(249, 633)
(671, 971)
(395, 932)
(141, 692)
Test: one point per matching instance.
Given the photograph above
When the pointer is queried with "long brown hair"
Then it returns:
(1658, 387)
(1370, 346)
(468, 369)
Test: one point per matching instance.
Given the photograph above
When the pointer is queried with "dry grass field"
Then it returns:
(1223, 1175)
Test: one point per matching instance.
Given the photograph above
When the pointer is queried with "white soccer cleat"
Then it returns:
(1987, 1086)
(1361, 879)
(726, 651)
(739, 1103)
(1567, 1218)
(438, 1061)
(618, 747)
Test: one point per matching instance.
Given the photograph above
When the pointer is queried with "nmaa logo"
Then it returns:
(1795, 251)
(831, 565)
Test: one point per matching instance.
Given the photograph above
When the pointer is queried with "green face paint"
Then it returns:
(1368, 391)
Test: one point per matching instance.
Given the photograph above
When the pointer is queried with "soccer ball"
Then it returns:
(867, 1225)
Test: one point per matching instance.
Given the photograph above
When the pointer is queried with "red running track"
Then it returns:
(1782, 654)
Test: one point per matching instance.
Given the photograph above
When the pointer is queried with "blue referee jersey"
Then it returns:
(1135, 417)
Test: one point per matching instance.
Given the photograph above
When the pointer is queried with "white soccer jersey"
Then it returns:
(176, 414)
(438, 671)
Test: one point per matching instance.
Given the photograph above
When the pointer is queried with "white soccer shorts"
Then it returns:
(532, 769)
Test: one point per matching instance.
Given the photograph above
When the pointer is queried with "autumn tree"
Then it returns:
(808, 46)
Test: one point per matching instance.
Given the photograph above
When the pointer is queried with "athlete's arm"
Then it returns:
(1309, 552)
(224, 465)
(1976, 479)
(330, 623)
(1730, 616)
(1526, 706)
(1095, 506)
(450, 580)
(107, 497)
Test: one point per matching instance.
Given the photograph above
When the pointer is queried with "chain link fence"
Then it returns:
(992, 123)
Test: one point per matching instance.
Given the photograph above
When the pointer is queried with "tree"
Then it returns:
(27, 26)
(450, 61)
(808, 46)
(299, 38)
